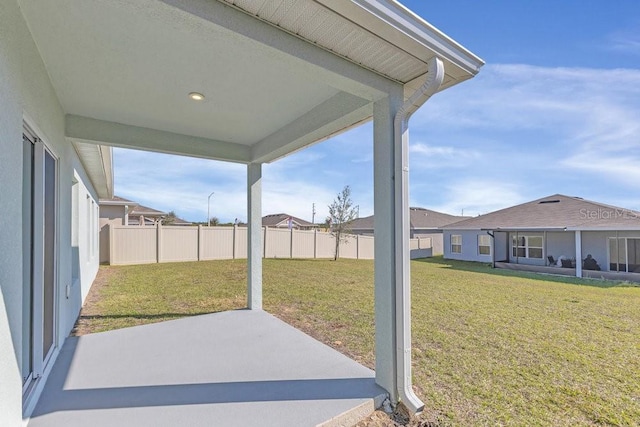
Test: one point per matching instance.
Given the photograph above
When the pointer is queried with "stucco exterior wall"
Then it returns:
(437, 242)
(501, 246)
(26, 93)
(560, 243)
(469, 246)
(111, 215)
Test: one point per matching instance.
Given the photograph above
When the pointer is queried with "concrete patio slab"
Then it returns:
(235, 368)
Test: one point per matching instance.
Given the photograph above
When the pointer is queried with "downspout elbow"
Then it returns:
(435, 77)
(405, 391)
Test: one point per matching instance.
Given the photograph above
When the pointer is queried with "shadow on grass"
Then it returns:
(479, 267)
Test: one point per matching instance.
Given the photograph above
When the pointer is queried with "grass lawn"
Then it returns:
(490, 347)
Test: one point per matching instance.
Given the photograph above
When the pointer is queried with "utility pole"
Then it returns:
(313, 213)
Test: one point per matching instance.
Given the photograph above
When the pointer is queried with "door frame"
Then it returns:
(41, 363)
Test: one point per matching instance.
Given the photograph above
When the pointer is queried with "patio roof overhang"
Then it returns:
(277, 76)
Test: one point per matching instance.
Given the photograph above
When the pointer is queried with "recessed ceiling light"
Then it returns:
(196, 96)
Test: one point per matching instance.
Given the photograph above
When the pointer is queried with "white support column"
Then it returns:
(578, 253)
(392, 245)
(254, 236)
(385, 228)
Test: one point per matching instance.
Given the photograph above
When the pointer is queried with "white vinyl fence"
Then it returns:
(144, 245)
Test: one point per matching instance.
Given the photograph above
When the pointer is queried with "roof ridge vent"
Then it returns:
(543, 202)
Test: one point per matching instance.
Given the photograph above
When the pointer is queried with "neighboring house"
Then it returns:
(424, 223)
(217, 79)
(556, 232)
(121, 211)
(282, 220)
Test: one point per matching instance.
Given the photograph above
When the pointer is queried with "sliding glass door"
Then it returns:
(40, 184)
(624, 254)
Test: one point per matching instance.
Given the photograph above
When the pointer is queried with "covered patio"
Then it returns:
(250, 82)
(240, 367)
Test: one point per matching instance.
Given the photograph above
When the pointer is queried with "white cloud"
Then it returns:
(426, 156)
(476, 197)
(559, 116)
(625, 41)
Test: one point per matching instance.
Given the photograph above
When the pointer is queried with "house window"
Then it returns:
(484, 244)
(456, 244)
(527, 246)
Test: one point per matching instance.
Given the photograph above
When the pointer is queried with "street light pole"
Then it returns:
(208, 209)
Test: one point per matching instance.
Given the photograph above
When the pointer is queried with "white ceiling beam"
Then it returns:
(88, 130)
(333, 116)
(318, 63)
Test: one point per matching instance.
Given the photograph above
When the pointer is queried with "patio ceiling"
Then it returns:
(277, 75)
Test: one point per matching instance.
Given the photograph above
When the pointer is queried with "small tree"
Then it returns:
(169, 219)
(214, 221)
(341, 214)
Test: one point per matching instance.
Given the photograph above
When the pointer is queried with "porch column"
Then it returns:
(254, 236)
(388, 267)
(578, 253)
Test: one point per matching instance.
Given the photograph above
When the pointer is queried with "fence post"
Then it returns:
(291, 242)
(200, 242)
(111, 245)
(233, 250)
(158, 243)
(266, 231)
(315, 243)
(357, 246)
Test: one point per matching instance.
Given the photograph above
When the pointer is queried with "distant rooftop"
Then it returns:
(554, 212)
(280, 220)
(420, 218)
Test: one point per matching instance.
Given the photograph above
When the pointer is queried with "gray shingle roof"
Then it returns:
(274, 219)
(420, 218)
(554, 212)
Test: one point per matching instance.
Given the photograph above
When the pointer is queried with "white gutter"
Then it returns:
(405, 392)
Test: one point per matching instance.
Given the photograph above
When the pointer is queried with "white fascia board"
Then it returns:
(315, 61)
(341, 112)
(88, 130)
(102, 202)
(106, 154)
(401, 27)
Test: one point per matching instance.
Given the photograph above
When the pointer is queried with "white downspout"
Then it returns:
(435, 77)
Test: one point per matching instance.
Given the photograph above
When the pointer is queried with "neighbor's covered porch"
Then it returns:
(247, 82)
(592, 253)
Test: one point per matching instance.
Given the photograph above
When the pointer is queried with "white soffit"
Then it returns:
(97, 161)
(380, 35)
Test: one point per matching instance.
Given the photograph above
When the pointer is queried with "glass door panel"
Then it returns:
(49, 254)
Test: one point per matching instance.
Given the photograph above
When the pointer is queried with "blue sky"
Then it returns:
(555, 110)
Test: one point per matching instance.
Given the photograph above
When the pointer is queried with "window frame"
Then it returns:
(517, 248)
(487, 245)
(456, 245)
